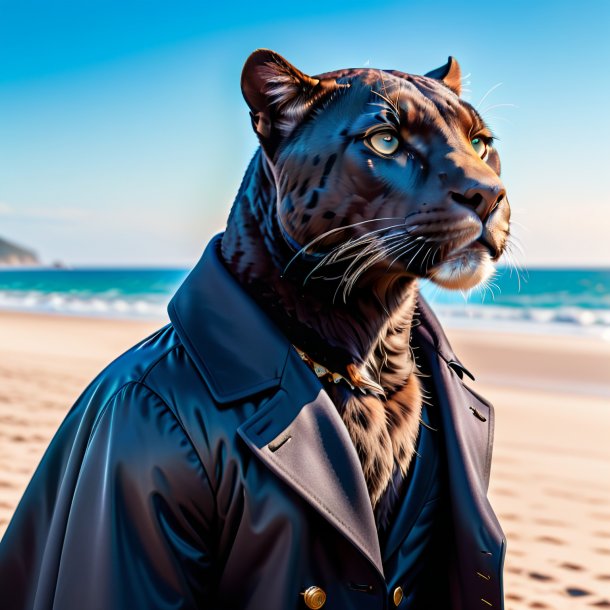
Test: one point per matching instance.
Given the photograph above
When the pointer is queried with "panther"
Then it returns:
(365, 181)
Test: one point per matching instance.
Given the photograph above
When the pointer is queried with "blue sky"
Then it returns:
(124, 136)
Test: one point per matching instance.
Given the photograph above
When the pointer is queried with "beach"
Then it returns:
(551, 468)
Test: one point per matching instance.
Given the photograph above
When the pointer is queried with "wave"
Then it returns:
(109, 305)
(558, 320)
(117, 304)
(558, 315)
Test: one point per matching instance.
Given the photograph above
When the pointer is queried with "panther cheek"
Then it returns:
(493, 160)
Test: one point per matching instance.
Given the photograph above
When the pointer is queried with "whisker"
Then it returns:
(425, 257)
(337, 253)
(415, 255)
(492, 118)
(488, 108)
(371, 249)
(375, 258)
(331, 232)
(487, 94)
(370, 245)
(349, 280)
(402, 253)
(357, 241)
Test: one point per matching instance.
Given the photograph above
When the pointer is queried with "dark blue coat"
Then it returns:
(207, 468)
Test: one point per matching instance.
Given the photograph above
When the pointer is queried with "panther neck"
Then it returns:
(366, 339)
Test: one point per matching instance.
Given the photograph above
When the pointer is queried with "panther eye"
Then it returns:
(384, 143)
(480, 147)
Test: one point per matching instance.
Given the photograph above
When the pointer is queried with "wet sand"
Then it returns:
(551, 470)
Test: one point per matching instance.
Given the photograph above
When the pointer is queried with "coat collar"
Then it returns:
(239, 351)
(223, 330)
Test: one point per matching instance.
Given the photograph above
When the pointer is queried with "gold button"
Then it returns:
(314, 597)
(397, 596)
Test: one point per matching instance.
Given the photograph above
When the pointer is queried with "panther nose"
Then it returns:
(482, 198)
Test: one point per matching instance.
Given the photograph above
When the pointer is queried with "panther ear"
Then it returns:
(450, 74)
(278, 94)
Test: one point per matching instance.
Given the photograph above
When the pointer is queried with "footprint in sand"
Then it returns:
(538, 605)
(604, 603)
(538, 576)
(550, 540)
(576, 592)
(551, 522)
(571, 566)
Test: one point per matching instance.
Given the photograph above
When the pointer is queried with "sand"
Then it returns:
(550, 479)
(551, 471)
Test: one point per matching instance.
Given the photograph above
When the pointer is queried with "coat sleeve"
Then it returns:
(138, 529)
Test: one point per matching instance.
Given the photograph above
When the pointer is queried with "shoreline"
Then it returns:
(459, 319)
(551, 455)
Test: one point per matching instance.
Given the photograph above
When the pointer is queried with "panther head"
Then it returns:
(379, 170)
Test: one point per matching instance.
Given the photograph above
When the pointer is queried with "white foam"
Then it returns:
(64, 303)
(560, 320)
(112, 304)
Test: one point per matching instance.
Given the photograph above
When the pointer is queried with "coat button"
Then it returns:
(314, 597)
(397, 596)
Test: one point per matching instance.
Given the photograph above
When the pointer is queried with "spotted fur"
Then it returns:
(329, 236)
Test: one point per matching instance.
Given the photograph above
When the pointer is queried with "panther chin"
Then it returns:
(464, 269)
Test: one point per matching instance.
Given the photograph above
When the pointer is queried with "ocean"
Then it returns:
(574, 301)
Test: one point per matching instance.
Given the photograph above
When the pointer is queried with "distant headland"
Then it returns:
(13, 255)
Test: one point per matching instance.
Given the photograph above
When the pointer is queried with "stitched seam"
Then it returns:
(103, 411)
(130, 381)
(164, 403)
(104, 408)
(490, 444)
(89, 440)
(158, 361)
(182, 428)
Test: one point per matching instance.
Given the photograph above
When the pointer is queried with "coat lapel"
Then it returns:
(467, 422)
(300, 436)
(298, 433)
